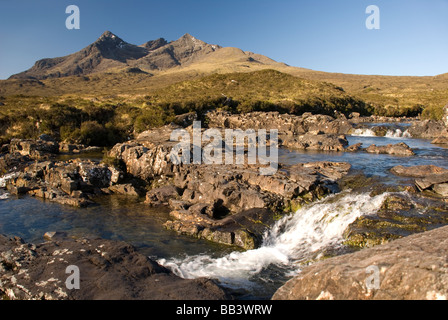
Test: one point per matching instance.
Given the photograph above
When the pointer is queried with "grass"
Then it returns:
(103, 109)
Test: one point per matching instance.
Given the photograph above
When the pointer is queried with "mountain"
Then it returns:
(112, 66)
(109, 53)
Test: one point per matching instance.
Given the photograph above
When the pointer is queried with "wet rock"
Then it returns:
(440, 140)
(442, 189)
(354, 148)
(399, 149)
(428, 129)
(412, 268)
(162, 195)
(202, 195)
(108, 270)
(430, 181)
(213, 195)
(126, 189)
(401, 214)
(329, 169)
(55, 235)
(420, 171)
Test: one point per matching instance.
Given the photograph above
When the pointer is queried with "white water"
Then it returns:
(291, 241)
(3, 180)
(391, 133)
(397, 133)
(363, 132)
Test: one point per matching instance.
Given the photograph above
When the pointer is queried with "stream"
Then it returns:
(294, 240)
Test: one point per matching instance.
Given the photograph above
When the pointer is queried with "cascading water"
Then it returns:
(397, 133)
(363, 132)
(291, 241)
(3, 180)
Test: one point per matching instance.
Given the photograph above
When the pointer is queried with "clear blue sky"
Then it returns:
(326, 35)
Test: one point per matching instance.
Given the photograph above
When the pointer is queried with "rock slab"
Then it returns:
(108, 270)
(411, 268)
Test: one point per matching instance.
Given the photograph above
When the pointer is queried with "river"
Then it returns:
(293, 241)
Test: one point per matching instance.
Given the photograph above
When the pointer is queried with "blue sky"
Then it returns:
(325, 35)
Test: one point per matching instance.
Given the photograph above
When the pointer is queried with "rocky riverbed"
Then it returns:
(232, 204)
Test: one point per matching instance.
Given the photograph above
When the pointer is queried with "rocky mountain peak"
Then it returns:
(110, 51)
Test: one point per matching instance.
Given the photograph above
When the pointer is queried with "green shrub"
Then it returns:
(433, 113)
(152, 117)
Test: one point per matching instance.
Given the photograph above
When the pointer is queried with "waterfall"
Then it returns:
(363, 132)
(290, 241)
(397, 133)
(3, 179)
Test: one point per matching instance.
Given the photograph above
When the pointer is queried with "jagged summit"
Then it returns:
(155, 44)
(109, 52)
(107, 34)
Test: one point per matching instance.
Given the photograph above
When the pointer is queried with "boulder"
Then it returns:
(435, 182)
(126, 189)
(318, 142)
(162, 195)
(420, 171)
(428, 129)
(354, 147)
(35, 149)
(201, 195)
(440, 140)
(399, 149)
(411, 268)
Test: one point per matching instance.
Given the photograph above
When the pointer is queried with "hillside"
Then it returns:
(108, 119)
(260, 90)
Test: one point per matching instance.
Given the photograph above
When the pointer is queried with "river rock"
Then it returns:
(318, 142)
(399, 149)
(435, 182)
(420, 171)
(162, 195)
(411, 268)
(66, 182)
(428, 129)
(285, 123)
(213, 195)
(201, 195)
(440, 140)
(126, 189)
(42, 148)
(442, 189)
(108, 270)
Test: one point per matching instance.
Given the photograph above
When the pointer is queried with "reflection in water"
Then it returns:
(374, 164)
(115, 217)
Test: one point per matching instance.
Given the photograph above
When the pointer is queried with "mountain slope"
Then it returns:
(110, 53)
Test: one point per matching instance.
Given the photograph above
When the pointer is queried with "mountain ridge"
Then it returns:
(111, 52)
